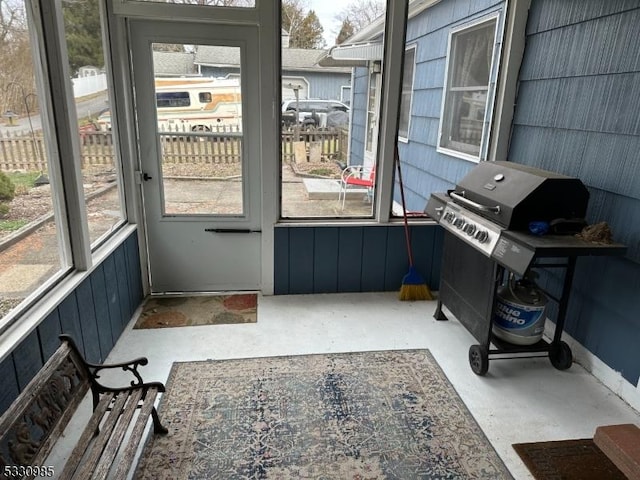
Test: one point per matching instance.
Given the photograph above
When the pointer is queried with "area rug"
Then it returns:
(164, 312)
(567, 460)
(367, 415)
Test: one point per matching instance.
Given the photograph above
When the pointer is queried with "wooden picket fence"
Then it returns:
(28, 153)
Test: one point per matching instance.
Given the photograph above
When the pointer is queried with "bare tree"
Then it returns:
(360, 13)
(17, 79)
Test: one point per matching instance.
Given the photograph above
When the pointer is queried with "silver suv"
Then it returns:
(309, 110)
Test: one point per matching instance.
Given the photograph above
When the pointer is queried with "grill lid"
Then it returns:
(513, 195)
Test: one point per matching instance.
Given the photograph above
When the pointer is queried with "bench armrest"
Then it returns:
(94, 370)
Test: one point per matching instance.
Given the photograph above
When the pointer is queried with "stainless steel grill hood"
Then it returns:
(513, 195)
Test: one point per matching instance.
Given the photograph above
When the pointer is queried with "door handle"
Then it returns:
(146, 177)
(231, 230)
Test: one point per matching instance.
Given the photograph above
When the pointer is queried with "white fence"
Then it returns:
(84, 86)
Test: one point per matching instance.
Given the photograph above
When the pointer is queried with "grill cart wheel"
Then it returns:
(479, 359)
(561, 356)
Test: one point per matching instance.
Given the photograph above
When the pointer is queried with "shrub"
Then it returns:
(7, 191)
(7, 188)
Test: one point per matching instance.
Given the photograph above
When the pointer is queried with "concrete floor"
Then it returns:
(517, 401)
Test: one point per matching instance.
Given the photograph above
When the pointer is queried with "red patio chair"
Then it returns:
(357, 176)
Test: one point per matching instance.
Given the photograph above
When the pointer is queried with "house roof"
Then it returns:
(292, 58)
(173, 63)
(366, 44)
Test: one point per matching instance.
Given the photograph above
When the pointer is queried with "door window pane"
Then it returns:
(101, 177)
(200, 131)
(32, 252)
(331, 87)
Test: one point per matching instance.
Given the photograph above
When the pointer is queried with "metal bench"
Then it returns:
(37, 418)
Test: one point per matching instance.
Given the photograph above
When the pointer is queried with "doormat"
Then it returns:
(367, 415)
(567, 460)
(165, 312)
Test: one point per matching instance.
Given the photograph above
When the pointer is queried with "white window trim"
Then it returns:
(342, 89)
(487, 122)
(413, 47)
(176, 11)
(78, 257)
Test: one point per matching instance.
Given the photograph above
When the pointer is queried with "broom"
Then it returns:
(413, 285)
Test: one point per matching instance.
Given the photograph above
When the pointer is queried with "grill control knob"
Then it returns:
(459, 223)
(449, 217)
(482, 236)
(469, 229)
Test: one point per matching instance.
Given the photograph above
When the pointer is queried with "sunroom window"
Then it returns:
(99, 162)
(407, 93)
(331, 87)
(34, 251)
(463, 127)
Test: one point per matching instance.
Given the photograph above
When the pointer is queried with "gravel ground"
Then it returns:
(32, 204)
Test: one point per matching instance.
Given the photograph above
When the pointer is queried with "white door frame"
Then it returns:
(203, 252)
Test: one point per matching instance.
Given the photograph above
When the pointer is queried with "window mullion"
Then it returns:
(65, 125)
(391, 89)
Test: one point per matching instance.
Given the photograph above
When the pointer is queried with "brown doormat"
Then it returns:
(567, 460)
(165, 312)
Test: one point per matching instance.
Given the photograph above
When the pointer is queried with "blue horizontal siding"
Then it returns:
(373, 258)
(549, 15)
(577, 114)
(603, 103)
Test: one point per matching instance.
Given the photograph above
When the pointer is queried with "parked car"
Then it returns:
(311, 113)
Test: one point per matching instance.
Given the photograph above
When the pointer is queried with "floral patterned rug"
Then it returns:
(164, 312)
(367, 415)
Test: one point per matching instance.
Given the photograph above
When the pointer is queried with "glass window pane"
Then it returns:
(200, 131)
(472, 56)
(466, 92)
(101, 177)
(407, 92)
(329, 145)
(31, 246)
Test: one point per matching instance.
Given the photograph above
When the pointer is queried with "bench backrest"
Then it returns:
(34, 421)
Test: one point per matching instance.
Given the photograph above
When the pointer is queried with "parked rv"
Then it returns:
(193, 105)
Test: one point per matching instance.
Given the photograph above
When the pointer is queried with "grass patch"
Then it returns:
(23, 180)
(322, 172)
(11, 225)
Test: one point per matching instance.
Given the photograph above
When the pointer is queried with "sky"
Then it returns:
(326, 11)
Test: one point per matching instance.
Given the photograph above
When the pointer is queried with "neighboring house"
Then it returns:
(576, 113)
(300, 71)
(174, 64)
(88, 71)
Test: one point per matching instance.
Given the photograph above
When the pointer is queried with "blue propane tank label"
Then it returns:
(511, 316)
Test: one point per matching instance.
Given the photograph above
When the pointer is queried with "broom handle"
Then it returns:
(404, 206)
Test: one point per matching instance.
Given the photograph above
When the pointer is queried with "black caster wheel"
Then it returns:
(479, 359)
(561, 356)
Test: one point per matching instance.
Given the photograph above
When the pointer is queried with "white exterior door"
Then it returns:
(200, 178)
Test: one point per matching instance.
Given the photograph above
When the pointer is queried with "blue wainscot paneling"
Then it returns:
(329, 259)
(95, 314)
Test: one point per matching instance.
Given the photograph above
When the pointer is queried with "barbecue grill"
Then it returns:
(488, 219)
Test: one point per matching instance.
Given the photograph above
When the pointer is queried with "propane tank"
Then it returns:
(518, 317)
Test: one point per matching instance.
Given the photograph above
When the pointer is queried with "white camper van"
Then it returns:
(196, 104)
